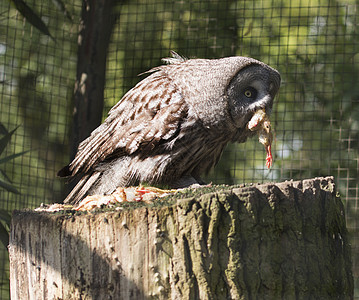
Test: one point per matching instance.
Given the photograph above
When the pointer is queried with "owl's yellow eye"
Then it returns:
(248, 93)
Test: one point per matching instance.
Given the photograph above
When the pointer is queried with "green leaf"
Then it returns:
(3, 129)
(31, 16)
(4, 235)
(9, 187)
(6, 184)
(3, 175)
(5, 139)
(12, 156)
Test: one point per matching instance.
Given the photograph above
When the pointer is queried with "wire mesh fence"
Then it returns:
(313, 44)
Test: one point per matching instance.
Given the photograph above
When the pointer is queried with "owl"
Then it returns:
(172, 127)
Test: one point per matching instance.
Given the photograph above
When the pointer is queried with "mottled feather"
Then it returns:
(147, 114)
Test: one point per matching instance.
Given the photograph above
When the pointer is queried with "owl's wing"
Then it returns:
(149, 114)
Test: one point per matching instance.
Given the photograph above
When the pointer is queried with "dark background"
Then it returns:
(313, 44)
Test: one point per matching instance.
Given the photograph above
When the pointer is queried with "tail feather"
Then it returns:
(64, 172)
(81, 189)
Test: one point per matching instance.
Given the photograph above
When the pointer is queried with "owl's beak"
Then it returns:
(264, 103)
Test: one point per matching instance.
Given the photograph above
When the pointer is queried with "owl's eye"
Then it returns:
(250, 93)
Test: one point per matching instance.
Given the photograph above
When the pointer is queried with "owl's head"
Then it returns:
(252, 88)
(224, 93)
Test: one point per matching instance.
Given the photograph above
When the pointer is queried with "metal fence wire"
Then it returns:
(314, 45)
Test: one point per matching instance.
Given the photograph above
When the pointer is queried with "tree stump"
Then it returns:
(266, 241)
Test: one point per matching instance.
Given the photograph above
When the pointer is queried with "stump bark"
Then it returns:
(268, 241)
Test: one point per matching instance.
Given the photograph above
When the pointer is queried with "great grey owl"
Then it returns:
(173, 125)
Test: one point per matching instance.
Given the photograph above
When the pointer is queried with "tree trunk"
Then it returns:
(268, 241)
(97, 20)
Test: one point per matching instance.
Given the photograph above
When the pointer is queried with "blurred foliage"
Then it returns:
(30, 16)
(36, 85)
(5, 183)
(314, 44)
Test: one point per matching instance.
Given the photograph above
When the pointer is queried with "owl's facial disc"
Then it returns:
(264, 102)
(247, 100)
(253, 88)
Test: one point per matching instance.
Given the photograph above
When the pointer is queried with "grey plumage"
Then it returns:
(173, 125)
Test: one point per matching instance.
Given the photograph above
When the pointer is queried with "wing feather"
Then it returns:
(149, 113)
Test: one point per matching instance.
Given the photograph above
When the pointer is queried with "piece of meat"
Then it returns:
(260, 123)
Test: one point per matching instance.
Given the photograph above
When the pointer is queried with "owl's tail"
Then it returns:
(81, 189)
